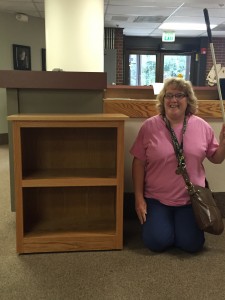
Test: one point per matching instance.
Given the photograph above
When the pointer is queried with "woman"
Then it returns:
(161, 199)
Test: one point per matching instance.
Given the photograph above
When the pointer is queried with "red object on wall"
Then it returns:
(203, 50)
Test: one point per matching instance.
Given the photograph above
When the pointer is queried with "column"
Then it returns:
(74, 35)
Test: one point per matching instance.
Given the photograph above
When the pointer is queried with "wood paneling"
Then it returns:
(147, 108)
(53, 80)
(147, 92)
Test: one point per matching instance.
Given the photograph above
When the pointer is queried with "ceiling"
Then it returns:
(142, 17)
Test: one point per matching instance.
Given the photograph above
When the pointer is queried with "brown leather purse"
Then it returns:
(207, 214)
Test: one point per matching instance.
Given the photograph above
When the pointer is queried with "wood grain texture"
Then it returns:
(147, 108)
(147, 92)
(69, 177)
(67, 117)
(53, 80)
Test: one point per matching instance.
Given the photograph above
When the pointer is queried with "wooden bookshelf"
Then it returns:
(69, 173)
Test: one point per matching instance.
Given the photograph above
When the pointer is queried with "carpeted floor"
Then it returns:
(131, 274)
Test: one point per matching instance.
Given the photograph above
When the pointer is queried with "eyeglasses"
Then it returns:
(178, 96)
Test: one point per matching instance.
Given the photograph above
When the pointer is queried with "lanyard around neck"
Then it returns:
(178, 148)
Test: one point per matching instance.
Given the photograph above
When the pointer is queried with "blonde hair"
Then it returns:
(183, 86)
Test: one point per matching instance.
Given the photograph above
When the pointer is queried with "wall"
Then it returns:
(119, 48)
(192, 46)
(188, 44)
(12, 32)
(114, 42)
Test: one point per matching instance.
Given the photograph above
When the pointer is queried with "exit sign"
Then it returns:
(168, 36)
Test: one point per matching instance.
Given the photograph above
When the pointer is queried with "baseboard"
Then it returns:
(4, 140)
(129, 204)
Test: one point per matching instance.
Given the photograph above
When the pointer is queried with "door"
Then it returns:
(146, 69)
(176, 65)
(142, 69)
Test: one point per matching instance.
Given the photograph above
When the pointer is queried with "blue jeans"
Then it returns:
(171, 226)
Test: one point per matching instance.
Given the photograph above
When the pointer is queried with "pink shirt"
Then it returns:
(154, 146)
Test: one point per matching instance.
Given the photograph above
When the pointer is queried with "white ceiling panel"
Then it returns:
(198, 12)
(123, 13)
(139, 11)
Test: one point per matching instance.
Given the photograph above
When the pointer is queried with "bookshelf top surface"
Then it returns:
(67, 117)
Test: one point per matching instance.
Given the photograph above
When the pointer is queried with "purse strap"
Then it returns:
(178, 149)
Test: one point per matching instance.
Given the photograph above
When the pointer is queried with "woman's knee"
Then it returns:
(191, 246)
(157, 242)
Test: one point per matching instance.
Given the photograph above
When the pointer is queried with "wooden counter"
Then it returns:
(139, 102)
(50, 92)
(147, 108)
(53, 80)
(146, 92)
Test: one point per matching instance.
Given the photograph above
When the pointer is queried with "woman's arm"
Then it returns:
(138, 174)
(219, 156)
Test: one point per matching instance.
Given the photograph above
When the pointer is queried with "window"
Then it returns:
(142, 69)
(146, 69)
(176, 65)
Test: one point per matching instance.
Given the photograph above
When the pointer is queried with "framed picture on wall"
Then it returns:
(43, 59)
(21, 57)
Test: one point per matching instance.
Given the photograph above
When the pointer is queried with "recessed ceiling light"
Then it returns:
(184, 26)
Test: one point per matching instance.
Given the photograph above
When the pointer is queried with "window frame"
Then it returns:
(159, 62)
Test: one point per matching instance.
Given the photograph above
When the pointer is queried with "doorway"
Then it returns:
(146, 68)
